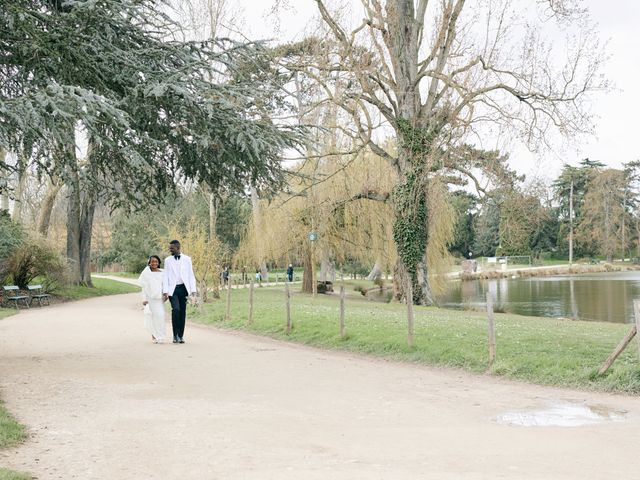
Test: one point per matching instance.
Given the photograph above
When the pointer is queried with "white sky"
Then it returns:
(615, 112)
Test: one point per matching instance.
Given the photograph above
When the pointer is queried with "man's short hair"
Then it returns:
(174, 242)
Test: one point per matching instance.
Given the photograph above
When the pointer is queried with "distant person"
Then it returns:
(258, 276)
(244, 275)
(225, 276)
(290, 273)
(151, 280)
(179, 283)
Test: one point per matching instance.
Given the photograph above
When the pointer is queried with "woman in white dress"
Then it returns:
(151, 282)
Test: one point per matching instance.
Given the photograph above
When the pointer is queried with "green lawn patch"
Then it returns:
(11, 432)
(122, 274)
(12, 475)
(5, 312)
(101, 286)
(537, 350)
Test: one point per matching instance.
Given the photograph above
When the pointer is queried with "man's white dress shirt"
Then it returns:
(177, 272)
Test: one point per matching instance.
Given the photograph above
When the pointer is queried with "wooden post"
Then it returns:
(409, 298)
(287, 295)
(492, 330)
(228, 315)
(342, 329)
(250, 301)
(618, 350)
(636, 313)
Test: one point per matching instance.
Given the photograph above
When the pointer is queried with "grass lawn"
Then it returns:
(11, 475)
(122, 274)
(537, 350)
(11, 434)
(101, 286)
(5, 312)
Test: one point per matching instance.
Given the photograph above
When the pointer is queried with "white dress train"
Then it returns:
(151, 283)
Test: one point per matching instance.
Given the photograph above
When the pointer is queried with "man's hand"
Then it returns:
(145, 302)
(165, 297)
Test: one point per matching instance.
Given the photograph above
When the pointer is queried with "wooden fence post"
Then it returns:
(492, 330)
(287, 295)
(250, 301)
(618, 350)
(409, 298)
(228, 315)
(342, 329)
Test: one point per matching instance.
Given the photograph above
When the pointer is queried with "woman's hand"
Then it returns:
(145, 302)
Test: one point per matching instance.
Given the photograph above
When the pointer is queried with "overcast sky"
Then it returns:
(617, 137)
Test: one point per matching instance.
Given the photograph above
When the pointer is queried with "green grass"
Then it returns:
(11, 475)
(122, 274)
(536, 350)
(11, 432)
(5, 312)
(101, 286)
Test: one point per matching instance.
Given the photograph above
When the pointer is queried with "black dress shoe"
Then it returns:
(180, 340)
(175, 339)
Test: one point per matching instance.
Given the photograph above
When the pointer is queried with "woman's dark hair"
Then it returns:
(157, 258)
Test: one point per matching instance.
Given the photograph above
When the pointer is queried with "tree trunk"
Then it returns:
(86, 233)
(327, 268)
(257, 219)
(80, 213)
(19, 191)
(213, 216)
(307, 274)
(73, 227)
(422, 294)
(4, 184)
(607, 229)
(376, 272)
(410, 231)
(46, 207)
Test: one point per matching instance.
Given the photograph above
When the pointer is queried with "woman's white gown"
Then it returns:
(151, 283)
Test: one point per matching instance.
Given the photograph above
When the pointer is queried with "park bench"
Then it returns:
(12, 294)
(36, 293)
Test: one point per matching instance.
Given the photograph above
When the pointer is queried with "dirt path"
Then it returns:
(103, 402)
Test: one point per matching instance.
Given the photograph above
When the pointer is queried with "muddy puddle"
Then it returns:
(562, 413)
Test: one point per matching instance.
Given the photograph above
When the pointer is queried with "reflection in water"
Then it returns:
(574, 304)
(561, 414)
(605, 297)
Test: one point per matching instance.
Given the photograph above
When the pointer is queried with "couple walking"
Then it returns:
(175, 283)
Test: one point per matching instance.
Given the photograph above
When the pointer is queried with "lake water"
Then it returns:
(599, 297)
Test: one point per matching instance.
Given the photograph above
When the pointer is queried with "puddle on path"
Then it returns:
(562, 413)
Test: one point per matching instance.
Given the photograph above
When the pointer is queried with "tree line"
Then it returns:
(598, 203)
(113, 104)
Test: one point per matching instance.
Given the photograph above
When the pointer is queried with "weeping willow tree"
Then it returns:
(348, 205)
(205, 252)
(328, 197)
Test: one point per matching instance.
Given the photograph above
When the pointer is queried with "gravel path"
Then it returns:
(102, 402)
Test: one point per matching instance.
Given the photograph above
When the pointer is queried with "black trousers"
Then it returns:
(179, 310)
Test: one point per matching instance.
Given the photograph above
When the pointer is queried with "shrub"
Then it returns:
(37, 258)
(361, 289)
(11, 237)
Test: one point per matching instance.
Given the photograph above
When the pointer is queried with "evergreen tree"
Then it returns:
(113, 70)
